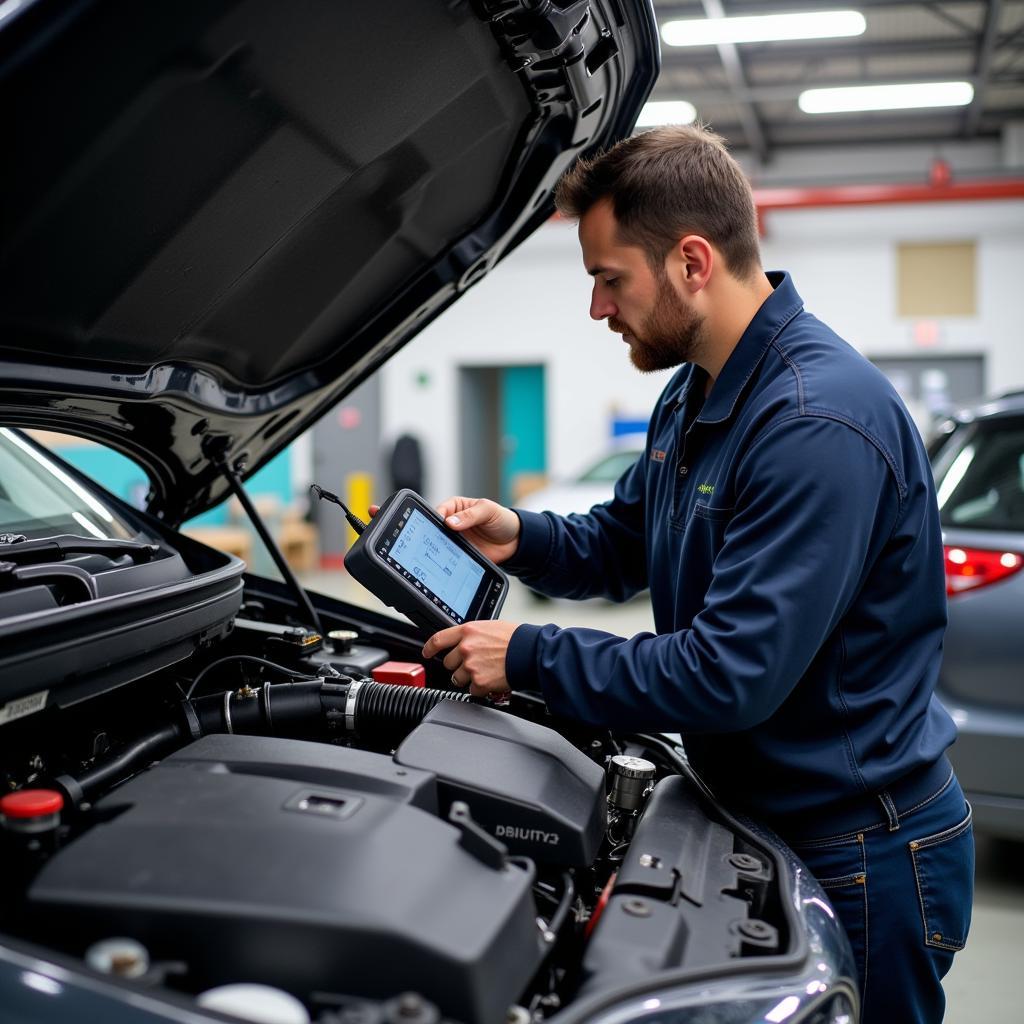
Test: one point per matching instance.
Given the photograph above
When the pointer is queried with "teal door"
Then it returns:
(522, 428)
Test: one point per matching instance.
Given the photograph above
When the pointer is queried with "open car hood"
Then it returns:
(219, 217)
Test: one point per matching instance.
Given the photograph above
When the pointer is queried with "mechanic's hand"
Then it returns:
(491, 528)
(476, 654)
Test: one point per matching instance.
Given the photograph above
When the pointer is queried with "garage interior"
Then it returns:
(903, 226)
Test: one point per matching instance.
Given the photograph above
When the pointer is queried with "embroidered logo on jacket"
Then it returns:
(657, 455)
(706, 488)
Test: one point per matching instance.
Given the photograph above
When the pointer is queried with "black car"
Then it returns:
(218, 218)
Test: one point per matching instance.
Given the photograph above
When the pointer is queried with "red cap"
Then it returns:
(401, 673)
(31, 803)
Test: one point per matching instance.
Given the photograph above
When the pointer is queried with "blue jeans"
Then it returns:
(902, 886)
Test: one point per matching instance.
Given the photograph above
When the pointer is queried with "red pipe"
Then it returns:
(863, 195)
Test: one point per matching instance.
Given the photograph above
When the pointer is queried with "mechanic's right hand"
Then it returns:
(491, 528)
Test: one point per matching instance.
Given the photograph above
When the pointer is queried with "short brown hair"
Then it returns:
(667, 183)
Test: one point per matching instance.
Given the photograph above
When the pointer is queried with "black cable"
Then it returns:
(564, 904)
(97, 778)
(617, 852)
(244, 657)
(353, 520)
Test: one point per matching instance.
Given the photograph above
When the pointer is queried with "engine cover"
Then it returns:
(524, 783)
(300, 865)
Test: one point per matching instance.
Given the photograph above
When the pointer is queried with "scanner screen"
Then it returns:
(446, 571)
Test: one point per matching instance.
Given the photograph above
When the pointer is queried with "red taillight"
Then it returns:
(970, 568)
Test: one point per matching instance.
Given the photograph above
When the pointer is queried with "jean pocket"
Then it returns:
(941, 864)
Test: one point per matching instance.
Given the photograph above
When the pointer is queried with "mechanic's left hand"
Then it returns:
(476, 654)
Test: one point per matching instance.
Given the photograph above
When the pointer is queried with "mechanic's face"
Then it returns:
(639, 303)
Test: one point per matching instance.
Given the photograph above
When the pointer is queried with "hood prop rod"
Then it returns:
(275, 552)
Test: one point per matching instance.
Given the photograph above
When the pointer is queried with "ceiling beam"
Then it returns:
(790, 90)
(938, 11)
(1014, 37)
(881, 119)
(752, 128)
(983, 67)
(1010, 44)
(668, 11)
(787, 53)
(889, 131)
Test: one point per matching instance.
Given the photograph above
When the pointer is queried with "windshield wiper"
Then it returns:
(52, 549)
(50, 572)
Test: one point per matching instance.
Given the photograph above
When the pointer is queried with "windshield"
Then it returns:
(38, 498)
(980, 476)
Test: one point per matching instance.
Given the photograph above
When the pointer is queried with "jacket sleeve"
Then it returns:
(815, 502)
(599, 553)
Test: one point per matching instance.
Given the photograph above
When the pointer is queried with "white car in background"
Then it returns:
(592, 486)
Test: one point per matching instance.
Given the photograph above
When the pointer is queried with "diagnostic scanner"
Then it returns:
(408, 558)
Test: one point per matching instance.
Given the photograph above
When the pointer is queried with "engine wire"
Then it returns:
(557, 919)
(248, 658)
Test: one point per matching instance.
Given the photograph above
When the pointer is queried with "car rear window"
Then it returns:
(980, 476)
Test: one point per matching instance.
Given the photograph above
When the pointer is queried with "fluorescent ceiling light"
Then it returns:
(666, 112)
(763, 28)
(886, 97)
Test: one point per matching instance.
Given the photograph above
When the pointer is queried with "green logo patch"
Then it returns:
(706, 488)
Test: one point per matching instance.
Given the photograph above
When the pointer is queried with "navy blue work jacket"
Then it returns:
(787, 529)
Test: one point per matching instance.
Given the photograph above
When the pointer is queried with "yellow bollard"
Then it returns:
(358, 495)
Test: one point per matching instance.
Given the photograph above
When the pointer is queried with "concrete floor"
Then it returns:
(982, 986)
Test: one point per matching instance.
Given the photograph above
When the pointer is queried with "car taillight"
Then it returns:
(970, 568)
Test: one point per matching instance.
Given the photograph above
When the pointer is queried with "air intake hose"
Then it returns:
(377, 711)
(374, 709)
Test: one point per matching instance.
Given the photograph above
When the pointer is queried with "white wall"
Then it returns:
(534, 308)
(843, 264)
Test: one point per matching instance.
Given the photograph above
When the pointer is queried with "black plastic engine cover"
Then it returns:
(677, 899)
(300, 865)
(524, 783)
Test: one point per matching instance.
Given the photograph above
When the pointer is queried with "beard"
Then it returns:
(671, 334)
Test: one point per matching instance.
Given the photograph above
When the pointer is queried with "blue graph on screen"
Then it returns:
(450, 574)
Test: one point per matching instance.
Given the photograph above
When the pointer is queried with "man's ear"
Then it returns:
(695, 257)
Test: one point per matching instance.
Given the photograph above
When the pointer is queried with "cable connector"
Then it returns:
(353, 520)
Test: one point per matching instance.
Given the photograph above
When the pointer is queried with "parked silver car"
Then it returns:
(978, 458)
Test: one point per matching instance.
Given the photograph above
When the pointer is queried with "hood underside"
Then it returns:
(219, 217)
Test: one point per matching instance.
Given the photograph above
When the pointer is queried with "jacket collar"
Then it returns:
(776, 311)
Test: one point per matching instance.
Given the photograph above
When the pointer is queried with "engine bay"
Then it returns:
(278, 867)
(271, 813)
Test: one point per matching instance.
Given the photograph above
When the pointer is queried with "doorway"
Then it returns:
(933, 386)
(503, 430)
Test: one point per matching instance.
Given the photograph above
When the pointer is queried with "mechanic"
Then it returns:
(784, 518)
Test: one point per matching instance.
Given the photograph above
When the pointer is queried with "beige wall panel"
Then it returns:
(936, 279)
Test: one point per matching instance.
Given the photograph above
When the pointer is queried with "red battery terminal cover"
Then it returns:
(31, 803)
(400, 673)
